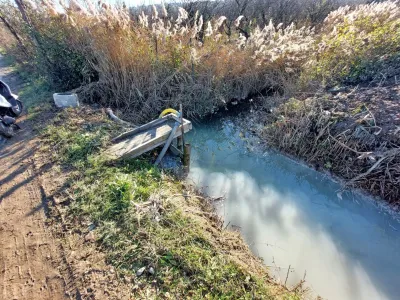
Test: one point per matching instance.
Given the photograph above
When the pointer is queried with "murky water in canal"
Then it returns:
(292, 215)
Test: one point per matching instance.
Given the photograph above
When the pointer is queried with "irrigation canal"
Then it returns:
(345, 245)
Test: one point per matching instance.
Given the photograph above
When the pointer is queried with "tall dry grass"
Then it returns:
(142, 64)
(161, 60)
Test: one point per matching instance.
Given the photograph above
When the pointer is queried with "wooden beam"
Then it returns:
(183, 133)
(167, 143)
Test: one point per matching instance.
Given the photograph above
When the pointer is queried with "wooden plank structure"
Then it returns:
(149, 136)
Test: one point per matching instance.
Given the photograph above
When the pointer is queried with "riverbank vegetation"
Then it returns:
(160, 235)
(353, 134)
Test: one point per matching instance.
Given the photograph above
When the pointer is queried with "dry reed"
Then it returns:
(349, 146)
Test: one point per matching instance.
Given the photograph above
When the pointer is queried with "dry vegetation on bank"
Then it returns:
(353, 134)
(144, 62)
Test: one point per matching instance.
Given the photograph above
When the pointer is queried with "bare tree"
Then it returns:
(13, 32)
(22, 8)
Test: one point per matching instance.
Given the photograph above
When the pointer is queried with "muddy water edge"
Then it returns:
(345, 244)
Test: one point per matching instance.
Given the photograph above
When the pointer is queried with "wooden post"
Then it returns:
(182, 131)
(186, 156)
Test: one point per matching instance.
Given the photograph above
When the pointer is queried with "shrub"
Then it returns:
(360, 44)
(64, 66)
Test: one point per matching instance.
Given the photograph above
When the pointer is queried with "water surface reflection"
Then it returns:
(292, 215)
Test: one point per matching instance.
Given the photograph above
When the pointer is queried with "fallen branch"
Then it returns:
(113, 117)
(374, 166)
(287, 275)
(345, 146)
(387, 154)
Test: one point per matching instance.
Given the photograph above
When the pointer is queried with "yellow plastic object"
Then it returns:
(168, 111)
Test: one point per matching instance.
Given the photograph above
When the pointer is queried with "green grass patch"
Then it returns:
(36, 96)
(140, 223)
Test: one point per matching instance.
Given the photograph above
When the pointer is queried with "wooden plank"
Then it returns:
(139, 143)
(141, 128)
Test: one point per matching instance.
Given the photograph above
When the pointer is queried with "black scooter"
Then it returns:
(10, 108)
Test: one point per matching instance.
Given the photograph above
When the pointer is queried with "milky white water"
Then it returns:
(291, 215)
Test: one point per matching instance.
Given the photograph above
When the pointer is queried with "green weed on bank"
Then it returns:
(140, 222)
(360, 44)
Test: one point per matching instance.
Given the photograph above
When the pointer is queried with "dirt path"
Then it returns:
(30, 262)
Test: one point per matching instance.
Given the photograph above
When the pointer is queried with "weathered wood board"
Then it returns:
(145, 138)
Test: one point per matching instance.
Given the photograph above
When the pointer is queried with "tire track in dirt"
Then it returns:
(30, 262)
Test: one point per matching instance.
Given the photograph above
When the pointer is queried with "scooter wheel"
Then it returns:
(15, 112)
(7, 131)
